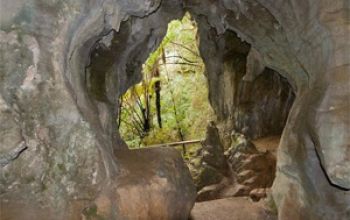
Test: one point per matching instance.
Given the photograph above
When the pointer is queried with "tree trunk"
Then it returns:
(157, 88)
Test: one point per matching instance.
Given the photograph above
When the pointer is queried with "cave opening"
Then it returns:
(170, 105)
(202, 94)
(237, 119)
(67, 63)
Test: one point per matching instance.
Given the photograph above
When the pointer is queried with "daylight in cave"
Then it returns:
(174, 110)
(170, 104)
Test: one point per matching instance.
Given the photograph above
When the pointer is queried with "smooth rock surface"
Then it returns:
(154, 184)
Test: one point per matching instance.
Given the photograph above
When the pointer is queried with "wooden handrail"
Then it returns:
(174, 144)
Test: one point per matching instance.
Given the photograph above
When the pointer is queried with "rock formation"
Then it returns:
(241, 170)
(253, 104)
(209, 165)
(306, 42)
(65, 62)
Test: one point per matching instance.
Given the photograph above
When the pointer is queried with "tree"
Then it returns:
(176, 58)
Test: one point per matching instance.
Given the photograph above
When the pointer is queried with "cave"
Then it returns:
(66, 63)
(235, 150)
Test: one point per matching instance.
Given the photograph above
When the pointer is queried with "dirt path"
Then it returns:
(237, 208)
(268, 143)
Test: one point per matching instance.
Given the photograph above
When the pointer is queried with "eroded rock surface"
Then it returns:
(256, 105)
(58, 102)
(253, 170)
(209, 165)
(241, 170)
(306, 42)
(64, 64)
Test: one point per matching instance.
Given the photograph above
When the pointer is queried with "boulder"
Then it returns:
(154, 184)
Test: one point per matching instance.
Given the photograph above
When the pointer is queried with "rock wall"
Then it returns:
(306, 42)
(65, 63)
(241, 170)
(247, 97)
(58, 143)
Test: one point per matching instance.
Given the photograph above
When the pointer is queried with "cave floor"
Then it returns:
(237, 208)
(269, 143)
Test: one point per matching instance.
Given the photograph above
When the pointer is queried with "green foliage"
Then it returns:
(184, 95)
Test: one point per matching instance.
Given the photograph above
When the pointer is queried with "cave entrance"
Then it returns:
(170, 105)
(235, 154)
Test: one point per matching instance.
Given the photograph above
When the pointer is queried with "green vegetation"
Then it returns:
(171, 103)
